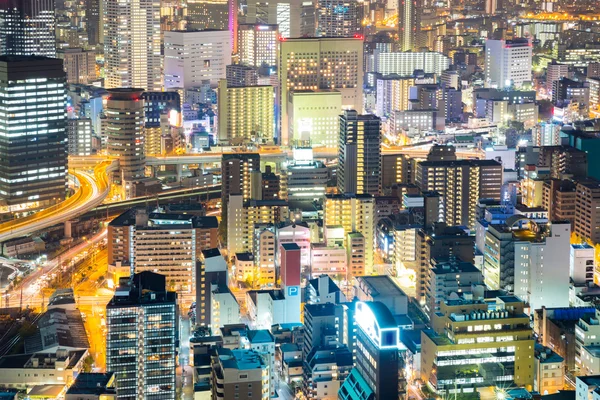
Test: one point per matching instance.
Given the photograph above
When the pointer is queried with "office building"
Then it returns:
(359, 154)
(167, 243)
(39, 82)
(405, 63)
(409, 23)
(80, 65)
(124, 131)
(93, 22)
(327, 361)
(314, 117)
(318, 58)
(286, 14)
(241, 75)
(476, 344)
(79, 134)
(140, 309)
(508, 62)
(529, 258)
(554, 72)
(375, 374)
(587, 214)
(355, 213)
(440, 242)
(304, 179)
(240, 374)
(192, 57)
(461, 184)
(257, 44)
(208, 14)
(246, 114)
(236, 170)
(27, 27)
(242, 217)
(447, 277)
(338, 18)
(549, 367)
(132, 45)
(581, 264)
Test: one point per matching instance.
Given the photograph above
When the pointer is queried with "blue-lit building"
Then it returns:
(375, 374)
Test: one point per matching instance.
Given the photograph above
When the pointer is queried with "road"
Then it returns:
(92, 191)
(33, 283)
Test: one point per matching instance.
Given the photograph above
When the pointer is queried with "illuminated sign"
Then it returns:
(293, 291)
(383, 338)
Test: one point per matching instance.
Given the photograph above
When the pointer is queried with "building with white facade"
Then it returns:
(79, 134)
(257, 44)
(313, 117)
(581, 264)
(405, 63)
(508, 62)
(194, 56)
(132, 44)
(328, 260)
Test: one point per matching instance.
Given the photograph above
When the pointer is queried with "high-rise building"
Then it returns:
(93, 24)
(338, 18)
(239, 373)
(27, 28)
(132, 44)
(313, 117)
(79, 134)
(375, 375)
(529, 258)
(405, 63)
(359, 154)
(461, 184)
(508, 62)
(409, 23)
(257, 44)
(236, 171)
(355, 213)
(325, 63)
(207, 14)
(587, 206)
(491, 6)
(284, 13)
(194, 56)
(241, 75)
(79, 65)
(37, 151)
(124, 131)
(555, 72)
(546, 134)
(141, 317)
(246, 113)
(493, 338)
(168, 243)
(305, 179)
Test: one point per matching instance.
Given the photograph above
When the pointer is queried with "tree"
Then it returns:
(88, 363)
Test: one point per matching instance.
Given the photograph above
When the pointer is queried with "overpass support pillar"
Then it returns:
(68, 228)
(179, 172)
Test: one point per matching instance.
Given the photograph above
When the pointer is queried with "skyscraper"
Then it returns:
(196, 56)
(409, 22)
(32, 85)
(142, 330)
(124, 132)
(208, 14)
(320, 63)
(93, 21)
(257, 44)
(508, 62)
(27, 27)
(284, 13)
(338, 18)
(359, 154)
(375, 375)
(132, 44)
(236, 170)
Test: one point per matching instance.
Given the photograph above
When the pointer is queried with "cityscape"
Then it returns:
(299, 199)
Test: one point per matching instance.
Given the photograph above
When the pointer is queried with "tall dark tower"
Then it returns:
(409, 22)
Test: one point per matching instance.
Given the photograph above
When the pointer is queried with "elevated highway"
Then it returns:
(92, 190)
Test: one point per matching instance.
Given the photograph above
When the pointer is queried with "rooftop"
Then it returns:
(93, 383)
(380, 285)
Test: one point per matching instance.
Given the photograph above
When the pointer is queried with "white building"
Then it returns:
(581, 265)
(132, 41)
(546, 134)
(225, 309)
(405, 63)
(540, 274)
(329, 260)
(508, 62)
(79, 133)
(257, 44)
(554, 72)
(265, 308)
(194, 56)
(295, 233)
